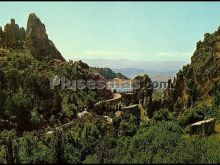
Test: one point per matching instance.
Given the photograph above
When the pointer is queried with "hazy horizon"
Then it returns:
(152, 66)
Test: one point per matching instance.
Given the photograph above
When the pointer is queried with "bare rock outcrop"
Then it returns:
(37, 40)
(12, 37)
(198, 81)
(13, 30)
(143, 94)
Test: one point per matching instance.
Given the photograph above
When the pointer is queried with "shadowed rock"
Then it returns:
(143, 94)
(37, 40)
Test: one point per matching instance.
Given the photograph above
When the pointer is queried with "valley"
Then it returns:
(43, 120)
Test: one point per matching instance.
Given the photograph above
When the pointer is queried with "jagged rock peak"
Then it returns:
(35, 28)
(37, 40)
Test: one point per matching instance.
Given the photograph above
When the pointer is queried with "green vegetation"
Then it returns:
(107, 73)
(40, 125)
(93, 141)
(26, 97)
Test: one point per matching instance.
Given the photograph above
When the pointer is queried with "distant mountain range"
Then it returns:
(157, 70)
(156, 66)
(155, 75)
(131, 68)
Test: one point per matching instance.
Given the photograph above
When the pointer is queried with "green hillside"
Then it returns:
(107, 73)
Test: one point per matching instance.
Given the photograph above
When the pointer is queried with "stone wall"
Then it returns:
(204, 127)
(133, 109)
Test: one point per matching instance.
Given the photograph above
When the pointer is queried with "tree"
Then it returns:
(2, 79)
(216, 94)
(20, 105)
(9, 151)
(59, 148)
(192, 88)
(162, 115)
(2, 93)
(129, 125)
(192, 115)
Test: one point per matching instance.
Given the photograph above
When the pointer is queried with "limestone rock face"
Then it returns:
(22, 34)
(12, 37)
(37, 40)
(12, 29)
(195, 82)
(144, 93)
(33, 38)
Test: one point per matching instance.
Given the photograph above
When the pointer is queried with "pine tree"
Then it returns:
(59, 148)
(9, 151)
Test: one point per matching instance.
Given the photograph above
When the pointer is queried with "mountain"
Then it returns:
(130, 72)
(46, 117)
(30, 98)
(199, 81)
(155, 75)
(34, 38)
(37, 40)
(107, 73)
(157, 70)
(148, 66)
(12, 36)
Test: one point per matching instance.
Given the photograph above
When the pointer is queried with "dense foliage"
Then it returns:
(108, 73)
(94, 141)
(29, 103)
(26, 96)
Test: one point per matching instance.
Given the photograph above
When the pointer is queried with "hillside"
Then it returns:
(34, 38)
(193, 95)
(107, 73)
(130, 72)
(28, 64)
(199, 81)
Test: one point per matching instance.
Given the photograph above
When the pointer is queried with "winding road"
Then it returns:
(116, 98)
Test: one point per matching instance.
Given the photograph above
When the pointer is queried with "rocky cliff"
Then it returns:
(143, 94)
(12, 37)
(34, 38)
(37, 40)
(199, 81)
(13, 30)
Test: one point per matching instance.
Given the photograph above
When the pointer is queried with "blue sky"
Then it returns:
(144, 31)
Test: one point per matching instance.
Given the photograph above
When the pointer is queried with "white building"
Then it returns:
(121, 86)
